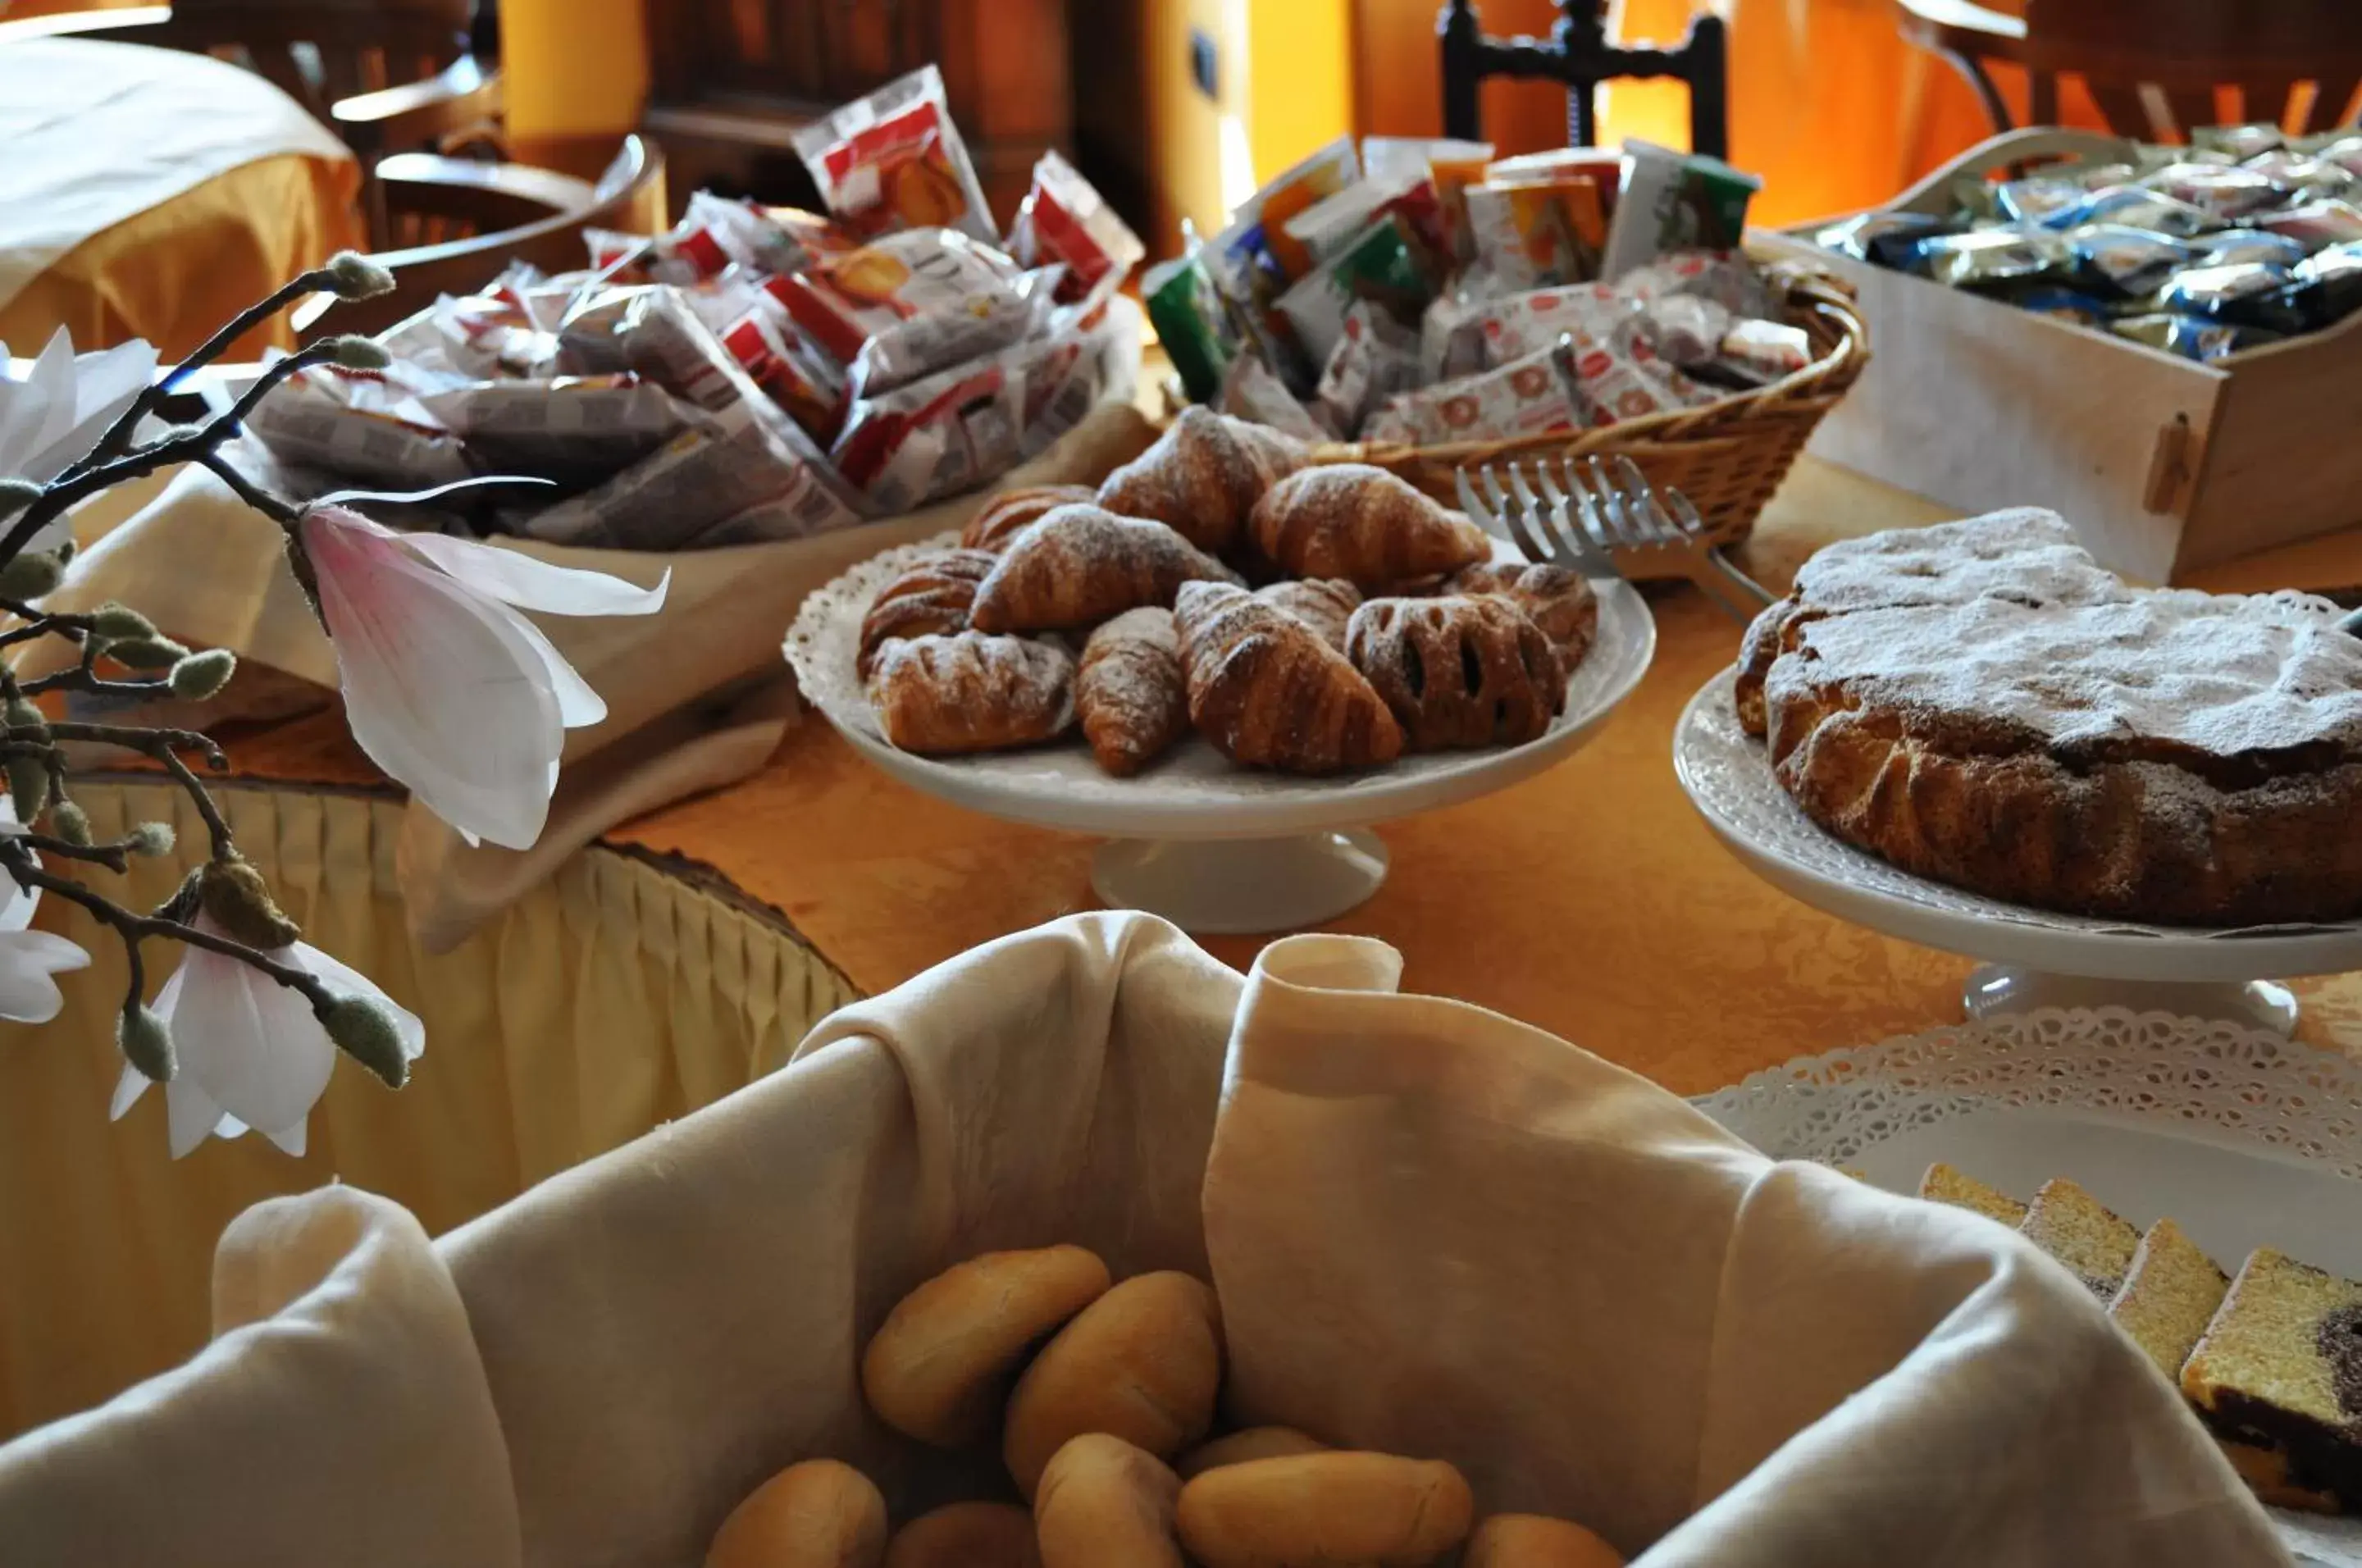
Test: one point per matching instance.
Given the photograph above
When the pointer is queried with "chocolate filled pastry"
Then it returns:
(1204, 475)
(1325, 604)
(1555, 598)
(932, 595)
(1459, 671)
(1362, 524)
(1129, 693)
(1269, 692)
(939, 695)
(1013, 511)
(1079, 564)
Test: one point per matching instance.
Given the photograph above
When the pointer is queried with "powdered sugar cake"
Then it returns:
(1980, 703)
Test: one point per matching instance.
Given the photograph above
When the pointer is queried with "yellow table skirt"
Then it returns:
(615, 997)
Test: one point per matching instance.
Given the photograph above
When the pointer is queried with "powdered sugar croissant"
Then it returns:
(933, 595)
(1269, 692)
(1078, 565)
(1129, 693)
(937, 695)
(1362, 524)
(1013, 511)
(1204, 475)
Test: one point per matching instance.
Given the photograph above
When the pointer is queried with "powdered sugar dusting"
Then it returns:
(1132, 670)
(2025, 554)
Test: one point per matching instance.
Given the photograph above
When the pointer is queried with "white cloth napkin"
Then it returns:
(1433, 1230)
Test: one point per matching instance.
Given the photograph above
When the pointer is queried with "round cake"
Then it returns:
(2057, 738)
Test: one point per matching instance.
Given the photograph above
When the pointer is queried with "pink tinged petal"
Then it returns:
(27, 959)
(447, 690)
(529, 583)
(190, 1114)
(578, 704)
(346, 981)
(249, 1044)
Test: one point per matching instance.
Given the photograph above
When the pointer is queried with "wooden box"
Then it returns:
(2163, 465)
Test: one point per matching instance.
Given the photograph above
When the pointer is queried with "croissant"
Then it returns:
(1269, 693)
(1204, 475)
(1129, 693)
(1362, 524)
(1324, 605)
(932, 595)
(1078, 565)
(937, 694)
(1013, 511)
(1458, 671)
(1554, 598)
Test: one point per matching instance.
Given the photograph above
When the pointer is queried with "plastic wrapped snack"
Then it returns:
(1251, 390)
(1452, 337)
(1537, 235)
(705, 476)
(1888, 239)
(775, 356)
(1526, 323)
(1375, 358)
(2224, 194)
(1454, 166)
(908, 305)
(1726, 277)
(577, 431)
(1762, 352)
(1065, 221)
(2135, 208)
(2109, 258)
(1332, 224)
(1619, 375)
(895, 160)
(1688, 330)
(1323, 174)
(1190, 322)
(1530, 396)
(2314, 225)
(1673, 201)
(357, 425)
(1382, 266)
(472, 337)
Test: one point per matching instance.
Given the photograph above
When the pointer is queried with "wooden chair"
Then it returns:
(462, 222)
(387, 75)
(1579, 55)
(2158, 68)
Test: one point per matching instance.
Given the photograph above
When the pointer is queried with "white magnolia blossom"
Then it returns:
(58, 413)
(447, 687)
(251, 1053)
(28, 959)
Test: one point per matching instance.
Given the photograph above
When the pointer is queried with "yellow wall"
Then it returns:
(1300, 78)
(573, 67)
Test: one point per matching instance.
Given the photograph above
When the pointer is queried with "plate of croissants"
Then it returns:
(1224, 642)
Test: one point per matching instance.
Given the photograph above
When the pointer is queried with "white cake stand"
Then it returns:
(2032, 957)
(1210, 845)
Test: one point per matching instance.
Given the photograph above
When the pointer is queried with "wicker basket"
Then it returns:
(1727, 456)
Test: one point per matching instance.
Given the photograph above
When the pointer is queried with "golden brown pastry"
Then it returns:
(1555, 598)
(1078, 565)
(1458, 671)
(1204, 475)
(938, 696)
(1362, 524)
(1129, 693)
(819, 1514)
(1535, 1540)
(1141, 1362)
(1363, 1508)
(1255, 1442)
(1105, 1503)
(1323, 604)
(1013, 511)
(936, 1369)
(1269, 693)
(930, 596)
(966, 1535)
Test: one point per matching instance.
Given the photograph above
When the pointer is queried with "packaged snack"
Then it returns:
(1726, 277)
(2110, 257)
(2225, 246)
(701, 477)
(576, 430)
(1532, 237)
(2133, 207)
(1992, 255)
(1687, 330)
(1452, 337)
(1250, 391)
(1190, 322)
(1065, 220)
(1249, 286)
(2227, 193)
(1619, 375)
(1675, 201)
(1323, 174)
(651, 332)
(2238, 142)
(1375, 358)
(1527, 397)
(2314, 225)
(357, 425)
(722, 303)
(895, 160)
(1887, 239)
(1454, 166)
(739, 233)
(775, 356)
(474, 338)
(1334, 223)
(2066, 304)
(1762, 352)
(2343, 150)
(2327, 286)
(2035, 198)
(619, 257)
(2192, 338)
(1380, 266)
(1525, 323)
(907, 306)
(1601, 168)
(2245, 291)
(2304, 178)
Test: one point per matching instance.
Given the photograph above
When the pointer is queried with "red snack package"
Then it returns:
(1065, 220)
(1525, 397)
(1619, 375)
(804, 383)
(1527, 323)
(895, 160)
(1374, 358)
(908, 305)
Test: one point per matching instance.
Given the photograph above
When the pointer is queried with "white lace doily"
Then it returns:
(1194, 792)
(1729, 777)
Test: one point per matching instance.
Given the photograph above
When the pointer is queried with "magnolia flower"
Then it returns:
(447, 687)
(57, 413)
(251, 1051)
(28, 958)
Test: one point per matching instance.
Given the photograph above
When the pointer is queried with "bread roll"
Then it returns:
(1143, 1362)
(1105, 1503)
(966, 1535)
(819, 1514)
(936, 1369)
(1534, 1540)
(1371, 1509)
(1255, 1442)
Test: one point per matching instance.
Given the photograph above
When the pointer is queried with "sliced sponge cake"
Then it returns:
(2078, 1229)
(2169, 1295)
(2282, 1363)
(1943, 1183)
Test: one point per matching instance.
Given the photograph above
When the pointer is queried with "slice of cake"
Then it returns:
(2078, 1229)
(2265, 1468)
(2169, 1295)
(2282, 1363)
(1943, 1183)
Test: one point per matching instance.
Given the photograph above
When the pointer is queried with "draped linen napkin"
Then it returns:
(1433, 1231)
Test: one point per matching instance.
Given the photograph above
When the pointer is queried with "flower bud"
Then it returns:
(147, 653)
(367, 1032)
(356, 277)
(117, 622)
(239, 900)
(151, 839)
(203, 675)
(360, 353)
(29, 787)
(70, 823)
(147, 1044)
(15, 494)
(31, 577)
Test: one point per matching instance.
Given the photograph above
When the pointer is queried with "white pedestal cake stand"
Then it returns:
(2031, 957)
(1210, 845)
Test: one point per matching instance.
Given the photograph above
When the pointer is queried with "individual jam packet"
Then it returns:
(1190, 323)
(803, 382)
(1762, 352)
(2315, 225)
(1451, 166)
(907, 306)
(1673, 201)
(895, 160)
(2128, 261)
(1886, 239)
(2135, 206)
(1619, 376)
(2192, 338)
(1063, 220)
(2228, 193)
(1531, 396)
(2246, 291)
(1525, 323)
(2226, 246)
(1250, 391)
(2238, 142)
(1375, 358)
(578, 431)
(1987, 257)
(2343, 150)
(1323, 174)
(2036, 197)
(1687, 330)
(1537, 235)
(2306, 177)
(1380, 266)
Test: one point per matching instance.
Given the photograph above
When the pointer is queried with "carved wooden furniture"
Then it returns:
(1578, 54)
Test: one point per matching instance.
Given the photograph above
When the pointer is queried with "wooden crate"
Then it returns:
(2163, 465)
